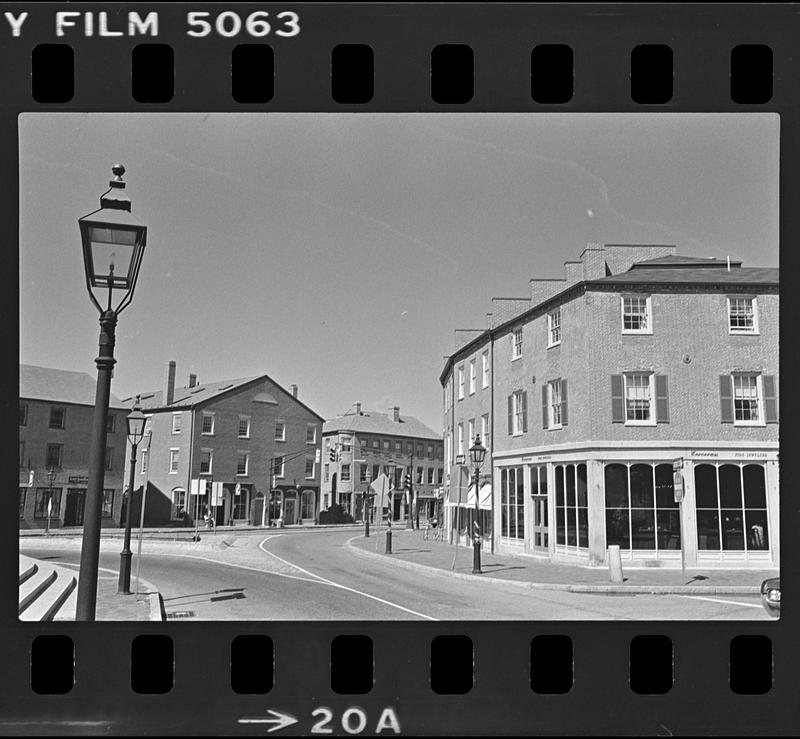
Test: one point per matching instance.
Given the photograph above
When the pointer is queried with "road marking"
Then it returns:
(142, 581)
(244, 567)
(326, 581)
(281, 719)
(720, 600)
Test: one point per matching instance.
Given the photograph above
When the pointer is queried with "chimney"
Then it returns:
(293, 388)
(573, 272)
(396, 413)
(192, 379)
(488, 320)
(169, 383)
(357, 404)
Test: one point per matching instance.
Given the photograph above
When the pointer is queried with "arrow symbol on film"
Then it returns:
(281, 720)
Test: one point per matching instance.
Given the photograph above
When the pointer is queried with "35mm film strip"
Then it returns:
(553, 513)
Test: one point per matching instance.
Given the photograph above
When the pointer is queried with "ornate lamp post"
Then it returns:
(113, 245)
(477, 453)
(136, 421)
(367, 508)
(51, 476)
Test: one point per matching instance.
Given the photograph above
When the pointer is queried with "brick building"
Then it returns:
(365, 444)
(216, 445)
(638, 360)
(55, 426)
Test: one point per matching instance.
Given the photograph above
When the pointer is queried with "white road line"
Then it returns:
(244, 567)
(142, 581)
(720, 600)
(326, 581)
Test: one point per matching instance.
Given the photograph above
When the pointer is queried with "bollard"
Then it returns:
(389, 539)
(615, 564)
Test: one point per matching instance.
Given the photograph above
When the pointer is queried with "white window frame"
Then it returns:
(145, 457)
(179, 418)
(516, 413)
(312, 427)
(241, 453)
(516, 343)
(460, 439)
(313, 468)
(551, 410)
(485, 430)
(345, 472)
(431, 475)
(174, 460)
(282, 425)
(347, 443)
(206, 414)
(282, 473)
(471, 431)
(461, 382)
(553, 325)
(648, 314)
(246, 434)
(759, 399)
(743, 332)
(210, 469)
(485, 369)
(472, 377)
(626, 376)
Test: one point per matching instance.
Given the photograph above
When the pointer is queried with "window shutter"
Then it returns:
(544, 406)
(726, 398)
(770, 399)
(510, 415)
(617, 405)
(662, 399)
(524, 411)
(563, 402)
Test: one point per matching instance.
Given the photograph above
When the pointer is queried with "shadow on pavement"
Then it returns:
(239, 591)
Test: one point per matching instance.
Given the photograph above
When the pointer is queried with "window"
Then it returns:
(345, 473)
(572, 512)
(420, 473)
(460, 383)
(111, 423)
(376, 444)
(242, 462)
(554, 403)
(108, 503)
(53, 456)
(636, 315)
(431, 473)
(386, 445)
(23, 414)
(516, 343)
(554, 328)
(731, 501)
(742, 316)
(280, 431)
(746, 399)
(57, 417)
(362, 473)
(241, 502)
(173, 461)
(419, 450)
(512, 503)
(326, 472)
(206, 458)
(244, 427)
(485, 430)
(518, 412)
(398, 478)
(347, 443)
(145, 455)
(40, 504)
(22, 492)
(461, 439)
(471, 431)
(307, 504)
(278, 466)
(638, 397)
(485, 369)
(311, 434)
(109, 458)
(440, 476)
(176, 422)
(310, 468)
(22, 454)
(641, 512)
(471, 376)
(409, 448)
(178, 503)
(398, 447)
(430, 451)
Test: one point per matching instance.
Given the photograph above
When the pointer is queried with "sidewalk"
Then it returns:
(112, 606)
(410, 550)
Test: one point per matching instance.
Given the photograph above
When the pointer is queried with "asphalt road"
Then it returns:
(297, 575)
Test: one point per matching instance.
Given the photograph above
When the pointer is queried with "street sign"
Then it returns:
(216, 493)
(380, 485)
(677, 484)
(677, 464)
(461, 458)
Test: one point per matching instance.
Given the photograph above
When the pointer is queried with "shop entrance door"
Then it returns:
(289, 511)
(73, 509)
(540, 524)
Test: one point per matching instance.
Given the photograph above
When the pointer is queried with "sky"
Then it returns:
(339, 251)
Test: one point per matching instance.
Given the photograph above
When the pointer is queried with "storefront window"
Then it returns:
(307, 504)
(512, 503)
(40, 505)
(572, 513)
(731, 504)
(241, 502)
(641, 512)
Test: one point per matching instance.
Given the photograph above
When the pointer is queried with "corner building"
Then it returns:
(639, 363)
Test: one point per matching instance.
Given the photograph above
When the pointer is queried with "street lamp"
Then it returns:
(366, 497)
(113, 245)
(477, 453)
(51, 476)
(136, 421)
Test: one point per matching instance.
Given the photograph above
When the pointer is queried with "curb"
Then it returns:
(157, 612)
(599, 589)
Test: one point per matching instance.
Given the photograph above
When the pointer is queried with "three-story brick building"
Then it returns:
(640, 362)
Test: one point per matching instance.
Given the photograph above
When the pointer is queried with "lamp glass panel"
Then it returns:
(136, 423)
(109, 255)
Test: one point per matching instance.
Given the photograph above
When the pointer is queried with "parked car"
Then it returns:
(771, 596)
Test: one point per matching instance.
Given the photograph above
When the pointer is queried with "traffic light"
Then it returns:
(332, 454)
(408, 481)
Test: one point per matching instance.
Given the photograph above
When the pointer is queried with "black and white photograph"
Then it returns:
(311, 367)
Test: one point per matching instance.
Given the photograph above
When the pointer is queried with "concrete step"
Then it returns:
(34, 586)
(49, 603)
(68, 609)
(27, 568)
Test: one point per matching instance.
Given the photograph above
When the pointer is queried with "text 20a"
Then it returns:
(229, 24)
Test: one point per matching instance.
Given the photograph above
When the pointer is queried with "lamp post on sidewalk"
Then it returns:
(477, 453)
(51, 476)
(113, 246)
(136, 421)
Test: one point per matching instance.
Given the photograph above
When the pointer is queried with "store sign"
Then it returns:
(677, 484)
(79, 479)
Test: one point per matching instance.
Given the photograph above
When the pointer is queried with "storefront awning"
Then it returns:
(467, 497)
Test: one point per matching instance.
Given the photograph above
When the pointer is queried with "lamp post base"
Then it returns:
(124, 586)
(476, 558)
